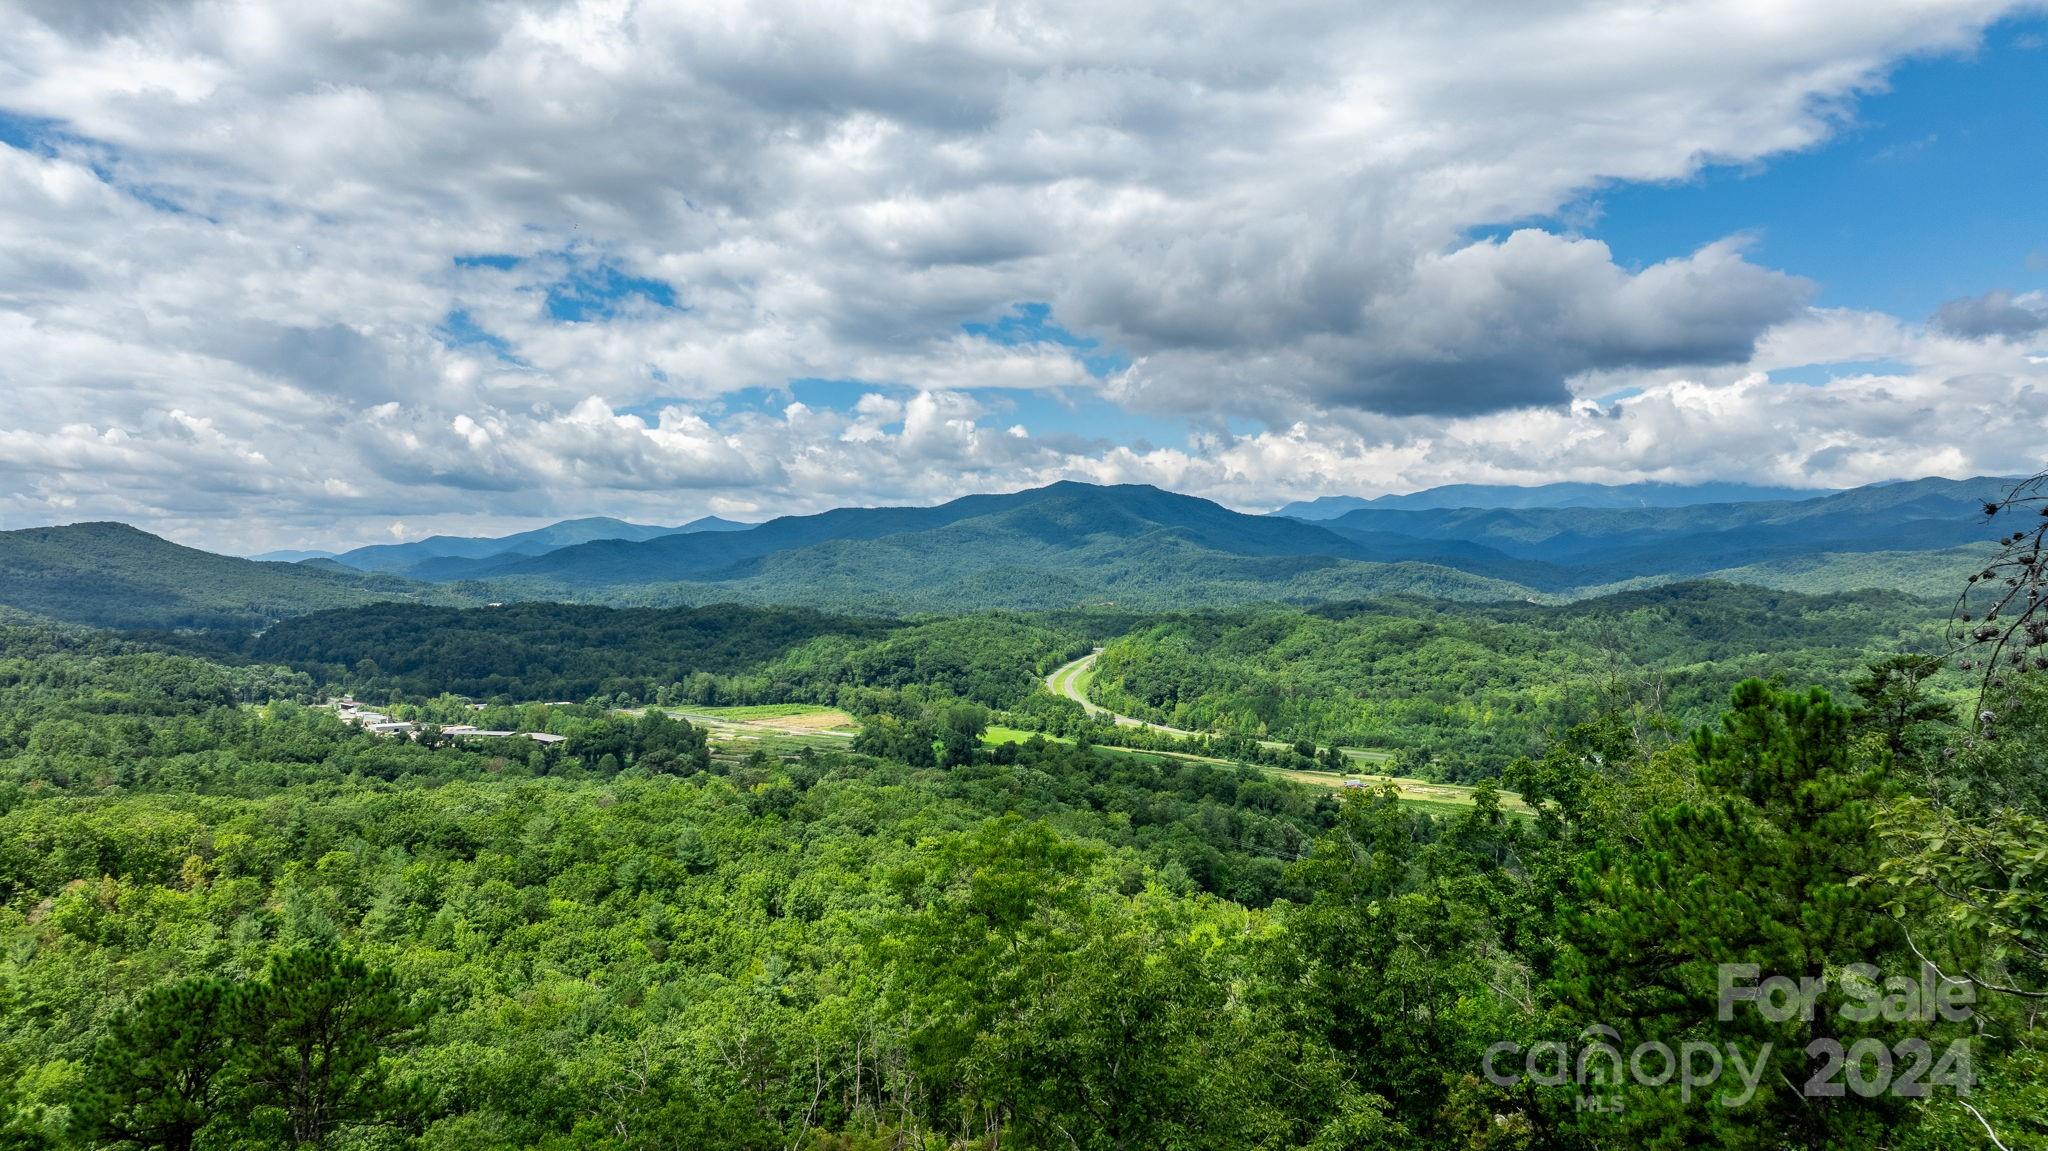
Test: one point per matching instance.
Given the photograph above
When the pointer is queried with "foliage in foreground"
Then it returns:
(628, 944)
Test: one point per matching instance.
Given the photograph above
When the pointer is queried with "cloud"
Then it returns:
(285, 219)
(1504, 324)
(1995, 314)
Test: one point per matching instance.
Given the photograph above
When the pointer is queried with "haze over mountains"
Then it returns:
(1559, 495)
(1063, 545)
(400, 557)
(113, 575)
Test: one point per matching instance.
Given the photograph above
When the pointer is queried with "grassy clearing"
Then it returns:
(1422, 795)
(800, 718)
(998, 735)
(1416, 792)
(741, 739)
(749, 713)
(776, 728)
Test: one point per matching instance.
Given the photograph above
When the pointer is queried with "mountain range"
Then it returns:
(1559, 495)
(1064, 545)
(400, 558)
(112, 575)
(1558, 549)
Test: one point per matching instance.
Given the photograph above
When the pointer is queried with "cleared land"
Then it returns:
(777, 728)
(1072, 680)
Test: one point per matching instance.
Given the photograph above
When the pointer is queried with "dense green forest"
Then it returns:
(924, 939)
(725, 654)
(1459, 691)
(111, 575)
(1462, 690)
(230, 918)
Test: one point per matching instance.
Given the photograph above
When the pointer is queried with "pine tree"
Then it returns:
(317, 1028)
(1761, 872)
(1893, 701)
(156, 1077)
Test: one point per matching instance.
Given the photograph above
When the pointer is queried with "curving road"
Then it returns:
(1071, 680)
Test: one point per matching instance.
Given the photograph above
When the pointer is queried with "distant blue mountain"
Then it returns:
(1559, 495)
(402, 558)
(1054, 547)
(1051, 547)
(1129, 541)
(291, 556)
(1555, 548)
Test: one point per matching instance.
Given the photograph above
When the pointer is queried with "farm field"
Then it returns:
(778, 729)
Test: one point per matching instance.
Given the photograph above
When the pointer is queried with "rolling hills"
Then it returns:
(1064, 545)
(1055, 546)
(401, 558)
(1072, 543)
(1558, 495)
(113, 575)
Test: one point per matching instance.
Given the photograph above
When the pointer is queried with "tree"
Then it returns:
(318, 1026)
(2000, 620)
(1763, 871)
(156, 1077)
(1893, 700)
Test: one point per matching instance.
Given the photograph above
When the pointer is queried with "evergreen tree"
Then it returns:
(1893, 701)
(1762, 872)
(156, 1078)
(318, 1026)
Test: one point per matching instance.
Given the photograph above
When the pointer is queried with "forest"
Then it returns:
(1454, 691)
(230, 919)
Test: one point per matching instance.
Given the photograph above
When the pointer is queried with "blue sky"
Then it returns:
(473, 266)
(1936, 188)
(1930, 188)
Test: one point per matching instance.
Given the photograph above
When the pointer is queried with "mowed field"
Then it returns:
(776, 728)
(788, 728)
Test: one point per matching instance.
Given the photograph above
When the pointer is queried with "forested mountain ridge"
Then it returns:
(113, 575)
(401, 558)
(1087, 541)
(1061, 546)
(1058, 546)
(1558, 549)
(1060, 514)
(1555, 495)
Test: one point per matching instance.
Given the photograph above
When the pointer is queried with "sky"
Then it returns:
(288, 275)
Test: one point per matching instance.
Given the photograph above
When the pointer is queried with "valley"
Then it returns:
(845, 805)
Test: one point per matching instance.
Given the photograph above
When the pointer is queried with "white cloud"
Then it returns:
(230, 303)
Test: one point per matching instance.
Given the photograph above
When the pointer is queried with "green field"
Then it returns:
(1422, 795)
(748, 713)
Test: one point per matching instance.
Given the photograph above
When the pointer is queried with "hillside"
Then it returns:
(1050, 547)
(113, 575)
(1559, 495)
(1568, 549)
(402, 558)
(1461, 690)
